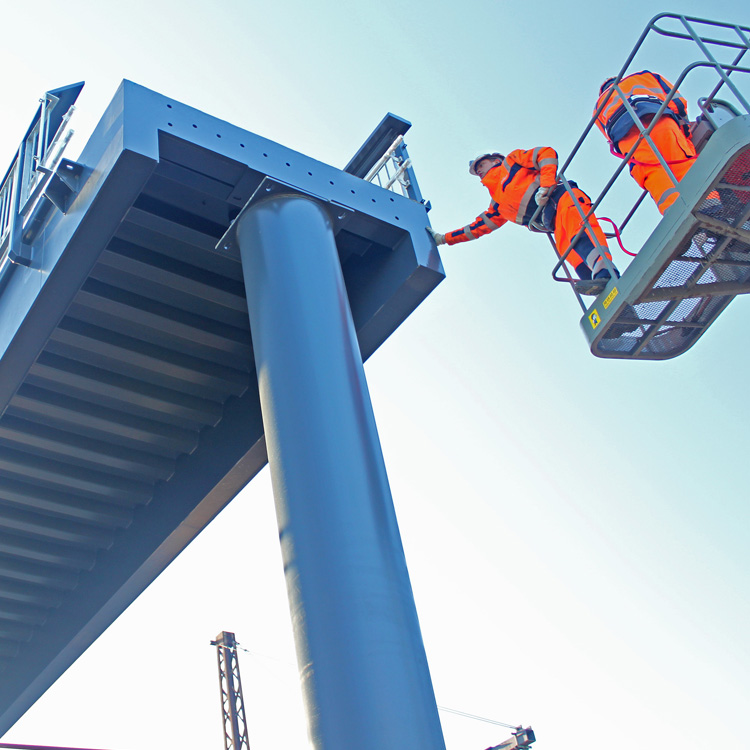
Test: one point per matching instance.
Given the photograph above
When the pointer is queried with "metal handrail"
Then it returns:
(394, 168)
(27, 176)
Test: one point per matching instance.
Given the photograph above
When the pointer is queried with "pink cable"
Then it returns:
(617, 235)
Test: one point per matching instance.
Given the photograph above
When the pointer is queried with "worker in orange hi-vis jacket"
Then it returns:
(646, 92)
(521, 182)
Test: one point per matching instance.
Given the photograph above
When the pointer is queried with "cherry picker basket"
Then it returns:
(697, 258)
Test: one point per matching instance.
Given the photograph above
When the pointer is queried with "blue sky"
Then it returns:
(576, 529)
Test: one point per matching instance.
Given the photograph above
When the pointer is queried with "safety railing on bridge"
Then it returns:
(384, 160)
(393, 169)
(37, 157)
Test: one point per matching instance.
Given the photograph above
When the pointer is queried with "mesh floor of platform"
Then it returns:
(708, 268)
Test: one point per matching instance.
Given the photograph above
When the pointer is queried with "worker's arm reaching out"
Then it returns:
(485, 223)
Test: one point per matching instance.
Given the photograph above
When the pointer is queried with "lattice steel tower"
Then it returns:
(230, 685)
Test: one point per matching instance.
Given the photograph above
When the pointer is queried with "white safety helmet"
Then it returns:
(473, 163)
(606, 83)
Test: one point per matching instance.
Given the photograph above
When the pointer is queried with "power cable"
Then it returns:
(478, 718)
(441, 708)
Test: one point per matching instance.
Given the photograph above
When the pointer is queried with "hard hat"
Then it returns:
(606, 83)
(473, 163)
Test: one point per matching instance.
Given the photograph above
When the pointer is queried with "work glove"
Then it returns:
(542, 195)
(439, 238)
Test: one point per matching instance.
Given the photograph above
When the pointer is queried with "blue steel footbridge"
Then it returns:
(129, 402)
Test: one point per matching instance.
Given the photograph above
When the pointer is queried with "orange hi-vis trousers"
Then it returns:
(586, 258)
(676, 149)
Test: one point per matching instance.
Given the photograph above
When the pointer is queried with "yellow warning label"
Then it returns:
(594, 318)
(609, 298)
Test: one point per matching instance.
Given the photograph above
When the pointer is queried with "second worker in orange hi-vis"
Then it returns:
(646, 92)
(520, 182)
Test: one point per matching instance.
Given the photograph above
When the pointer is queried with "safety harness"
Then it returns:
(619, 122)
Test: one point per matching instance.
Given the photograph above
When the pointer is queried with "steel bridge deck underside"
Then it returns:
(129, 401)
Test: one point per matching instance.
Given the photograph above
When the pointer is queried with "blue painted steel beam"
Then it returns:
(388, 129)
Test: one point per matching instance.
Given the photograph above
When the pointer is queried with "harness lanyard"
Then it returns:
(617, 235)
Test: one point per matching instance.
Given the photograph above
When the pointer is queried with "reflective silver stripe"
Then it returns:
(595, 260)
(634, 93)
(467, 231)
(550, 160)
(535, 157)
(666, 195)
(488, 222)
(599, 264)
(527, 196)
(656, 91)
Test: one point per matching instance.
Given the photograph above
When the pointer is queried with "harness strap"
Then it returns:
(634, 162)
(666, 89)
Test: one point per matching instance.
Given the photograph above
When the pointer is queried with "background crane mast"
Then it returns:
(230, 685)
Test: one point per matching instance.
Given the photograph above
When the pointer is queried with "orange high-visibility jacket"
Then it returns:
(512, 185)
(645, 92)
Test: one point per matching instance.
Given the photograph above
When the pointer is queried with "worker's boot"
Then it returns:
(594, 287)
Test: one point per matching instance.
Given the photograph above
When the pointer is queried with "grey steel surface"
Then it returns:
(387, 130)
(362, 662)
(128, 398)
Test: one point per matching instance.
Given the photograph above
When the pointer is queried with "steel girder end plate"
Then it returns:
(268, 188)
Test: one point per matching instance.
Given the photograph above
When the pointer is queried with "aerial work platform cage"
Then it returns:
(697, 258)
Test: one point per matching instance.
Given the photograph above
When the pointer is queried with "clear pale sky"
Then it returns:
(576, 529)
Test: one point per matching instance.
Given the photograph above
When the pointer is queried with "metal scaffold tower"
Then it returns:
(230, 686)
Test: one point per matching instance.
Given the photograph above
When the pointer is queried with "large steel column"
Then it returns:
(361, 657)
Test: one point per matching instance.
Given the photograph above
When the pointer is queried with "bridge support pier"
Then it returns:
(362, 662)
